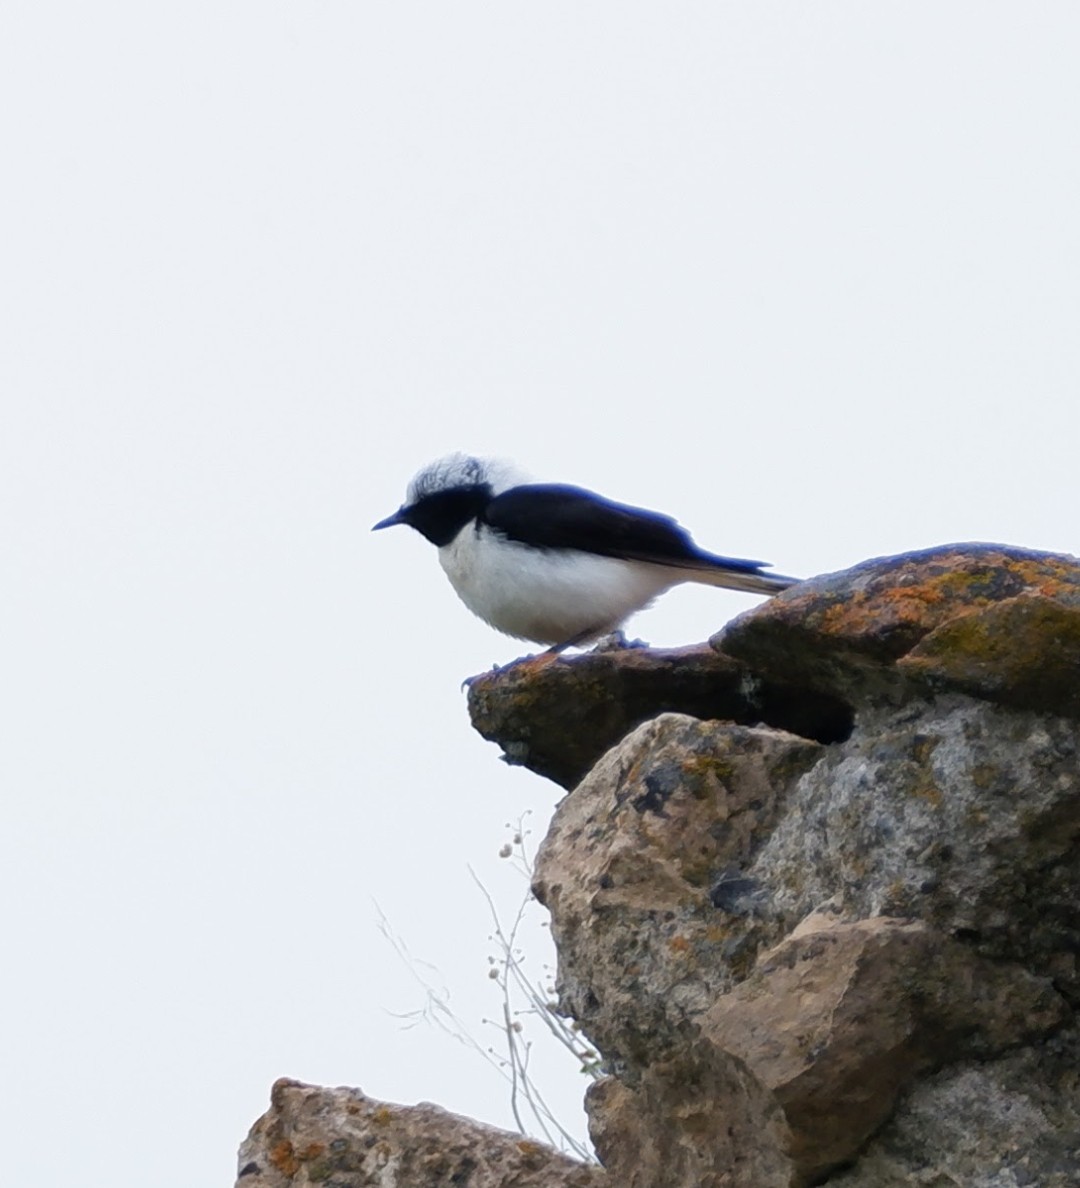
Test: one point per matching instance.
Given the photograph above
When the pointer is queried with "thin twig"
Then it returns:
(513, 980)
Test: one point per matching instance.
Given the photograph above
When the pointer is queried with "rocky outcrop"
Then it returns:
(890, 626)
(825, 926)
(698, 906)
(558, 715)
(338, 1138)
(816, 888)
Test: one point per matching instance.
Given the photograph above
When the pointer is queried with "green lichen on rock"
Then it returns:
(1023, 652)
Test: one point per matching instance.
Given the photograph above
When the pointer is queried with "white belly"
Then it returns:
(548, 597)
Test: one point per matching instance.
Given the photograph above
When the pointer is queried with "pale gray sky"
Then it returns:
(804, 275)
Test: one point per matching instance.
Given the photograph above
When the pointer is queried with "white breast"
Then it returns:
(547, 596)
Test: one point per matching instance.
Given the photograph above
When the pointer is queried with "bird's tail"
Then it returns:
(741, 575)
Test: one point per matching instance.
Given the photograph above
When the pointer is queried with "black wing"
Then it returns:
(553, 516)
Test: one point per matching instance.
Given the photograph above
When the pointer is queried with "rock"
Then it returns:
(838, 1018)
(629, 863)
(558, 715)
(1007, 1123)
(339, 1138)
(669, 872)
(844, 633)
(954, 812)
(816, 899)
(1023, 652)
(701, 1120)
(895, 628)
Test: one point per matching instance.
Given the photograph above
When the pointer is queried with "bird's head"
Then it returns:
(445, 495)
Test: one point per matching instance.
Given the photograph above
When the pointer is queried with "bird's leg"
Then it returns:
(575, 640)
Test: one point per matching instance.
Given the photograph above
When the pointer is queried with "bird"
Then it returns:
(551, 563)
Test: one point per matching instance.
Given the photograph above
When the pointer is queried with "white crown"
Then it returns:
(463, 470)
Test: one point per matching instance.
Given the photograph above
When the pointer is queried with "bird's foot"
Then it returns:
(616, 641)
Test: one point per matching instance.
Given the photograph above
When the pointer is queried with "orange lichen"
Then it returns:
(532, 1154)
(903, 606)
(925, 596)
(707, 768)
(312, 1151)
(382, 1116)
(283, 1157)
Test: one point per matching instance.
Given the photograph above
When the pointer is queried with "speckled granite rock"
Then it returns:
(338, 1138)
(839, 1018)
(682, 875)
(954, 812)
(632, 863)
(698, 1120)
(816, 898)
(1007, 1123)
(834, 929)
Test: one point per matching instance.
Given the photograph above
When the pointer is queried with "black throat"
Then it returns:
(442, 515)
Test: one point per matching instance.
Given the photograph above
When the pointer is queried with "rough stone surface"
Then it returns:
(338, 1138)
(694, 846)
(953, 811)
(1022, 652)
(558, 715)
(1008, 1123)
(700, 1119)
(633, 860)
(844, 632)
(839, 1017)
(833, 938)
(844, 926)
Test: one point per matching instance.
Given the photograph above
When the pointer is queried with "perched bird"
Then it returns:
(551, 563)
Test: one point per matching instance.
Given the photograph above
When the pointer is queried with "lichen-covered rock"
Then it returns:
(633, 860)
(1000, 623)
(1022, 652)
(844, 633)
(338, 1138)
(954, 812)
(835, 936)
(557, 715)
(693, 846)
